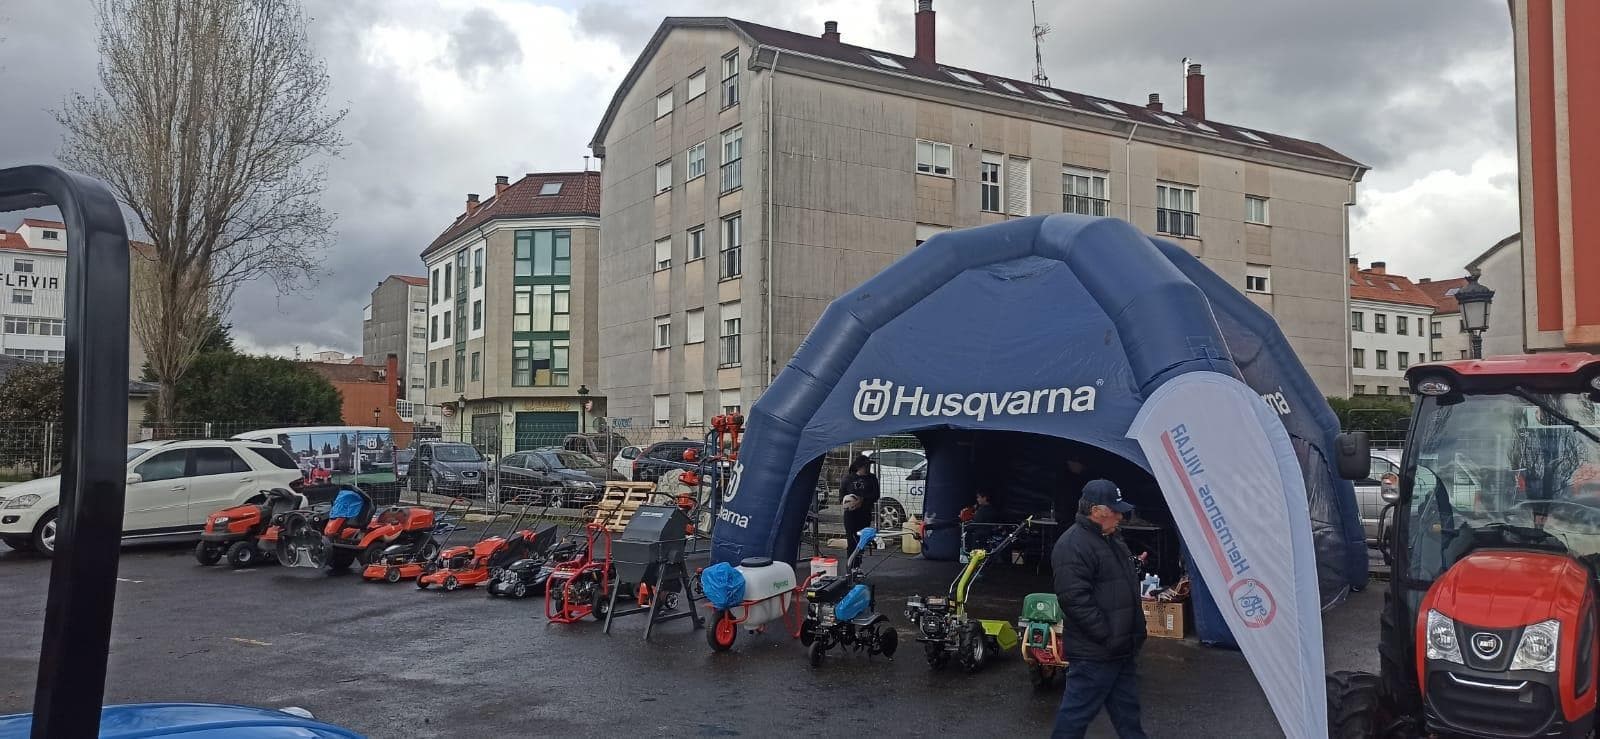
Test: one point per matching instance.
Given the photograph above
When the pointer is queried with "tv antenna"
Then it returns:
(1039, 32)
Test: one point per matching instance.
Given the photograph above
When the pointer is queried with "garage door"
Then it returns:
(544, 428)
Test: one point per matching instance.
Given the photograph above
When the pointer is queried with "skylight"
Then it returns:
(1008, 86)
(1164, 118)
(550, 188)
(963, 77)
(1107, 107)
(1394, 287)
(1252, 136)
(884, 61)
(1451, 291)
(1204, 127)
(1050, 95)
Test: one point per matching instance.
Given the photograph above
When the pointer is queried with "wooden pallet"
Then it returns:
(621, 499)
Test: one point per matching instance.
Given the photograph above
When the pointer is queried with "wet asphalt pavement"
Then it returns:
(390, 661)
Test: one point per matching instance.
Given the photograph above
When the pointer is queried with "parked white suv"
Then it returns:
(172, 487)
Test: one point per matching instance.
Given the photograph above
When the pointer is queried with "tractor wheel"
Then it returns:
(1353, 705)
(207, 553)
(816, 652)
(723, 632)
(808, 633)
(451, 583)
(242, 554)
(391, 575)
(1398, 676)
(371, 554)
(339, 560)
(885, 640)
(936, 655)
(974, 649)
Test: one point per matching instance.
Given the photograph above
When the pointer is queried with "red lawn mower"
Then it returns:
(352, 530)
(468, 566)
(409, 560)
(241, 533)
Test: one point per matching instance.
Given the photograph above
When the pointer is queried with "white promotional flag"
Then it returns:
(1230, 476)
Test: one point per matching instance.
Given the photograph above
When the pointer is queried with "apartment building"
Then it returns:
(396, 322)
(511, 305)
(1447, 333)
(1389, 329)
(753, 174)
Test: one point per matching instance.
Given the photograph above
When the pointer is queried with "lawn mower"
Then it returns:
(237, 533)
(527, 576)
(840, 612)
(411, 559)
(1040, 624)
(469, 566)
(579, 586)
(945, 629)
(350, 530)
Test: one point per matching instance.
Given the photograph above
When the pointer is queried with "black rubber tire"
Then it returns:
(340, 560)
(391, 575)
(207, 553)
(1397, 675)
(886, 639)
(242, 554)
(974, 651)
(602, 605)
(815, 653)
(45, 535)
(936, 655)
(421, 583)
(1040, 676)
(18, 543)
(808, 633)
(719, 636)
(519, 591)
(451, 583)
(1353, 705)
(371, 554)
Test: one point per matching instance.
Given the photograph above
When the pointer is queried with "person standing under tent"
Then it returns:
(859, 492)
(1098, 587)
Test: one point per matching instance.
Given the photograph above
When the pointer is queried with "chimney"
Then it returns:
(1194, 92)
(830, 31)
(1355, 262)
(925, 35)
(1155, 102)
(391, 373)
(472, 203)
(1379, 268)
(1424, 280)
(501, 183)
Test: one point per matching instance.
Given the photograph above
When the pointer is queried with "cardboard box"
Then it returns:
(1163, 620)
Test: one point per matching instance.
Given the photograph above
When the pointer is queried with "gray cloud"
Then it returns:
(482, 42)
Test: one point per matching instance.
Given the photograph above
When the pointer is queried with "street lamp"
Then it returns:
(376, 414)
(461, 412)
(1475, 299)
(583, 415)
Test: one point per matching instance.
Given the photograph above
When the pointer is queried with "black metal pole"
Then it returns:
(1477, 344)
(94, 400)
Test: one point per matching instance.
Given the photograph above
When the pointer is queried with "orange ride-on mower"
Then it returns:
(578, 587)
(351, 530)
(411, 559)
(237, 533)
(468, 566)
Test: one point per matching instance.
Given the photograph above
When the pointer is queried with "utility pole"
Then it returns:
(1039, 32)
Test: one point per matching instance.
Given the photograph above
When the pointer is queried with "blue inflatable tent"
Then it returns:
(1036, 335)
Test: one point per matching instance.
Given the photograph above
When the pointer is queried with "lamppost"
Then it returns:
(376, 414)
(583, 411)
(461, 412)
(1475, 299)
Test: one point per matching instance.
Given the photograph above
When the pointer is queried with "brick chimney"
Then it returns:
(1194, 92)
(925, 34)
(472, 203)
(830, 31)
(1379, 268)
(1424, 280)
(1155, 102)
(391, 374)
(501, 183)
(1355, 262)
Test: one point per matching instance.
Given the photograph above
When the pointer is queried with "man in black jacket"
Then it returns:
(1098, 587)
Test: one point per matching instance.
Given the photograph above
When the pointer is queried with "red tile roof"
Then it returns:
(1366, 284)
(579, 196)
(1443, 293)
(409, 280)
(41, 223)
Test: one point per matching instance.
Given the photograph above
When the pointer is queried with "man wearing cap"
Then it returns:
(1098, 587)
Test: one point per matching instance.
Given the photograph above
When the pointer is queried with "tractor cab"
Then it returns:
(1489, 623)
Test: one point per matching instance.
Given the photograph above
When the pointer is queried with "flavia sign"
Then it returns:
(877, 399)
(25, 280)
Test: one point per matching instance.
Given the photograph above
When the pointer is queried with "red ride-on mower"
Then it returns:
(468, 566)
(351, 530)
(1489, 621)
(237, 533)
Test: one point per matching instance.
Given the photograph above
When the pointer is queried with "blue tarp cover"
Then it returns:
(347, 504)
(723, 585)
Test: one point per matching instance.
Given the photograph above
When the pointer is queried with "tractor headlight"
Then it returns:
(1537, 650)
(22, 501)
(1442, 643)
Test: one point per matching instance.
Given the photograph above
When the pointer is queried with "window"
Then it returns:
(419, 332)
(730, 79)
(663, 253)
(433, 328)
(1175, 209)
(1255, 209)
(477, 268)
(541, 308)
(1257, 278)
(444, 372)
(933, 158)
(1107, 107)
(732, 240)
(960, 76)
(164, 466)
(1204, 127)
(697, 243)
(38, 355)
(1383, 359)
(1051, 95)
(732, 148)
(694, 326)
(477, 315)
(1013, 89)
(1383, 389)
(545, 253)
(1463, 353)
(663, 104)
(1253, 137)
(540, 363)
(731, 328)
(884, 61)
(419, 306)
(1434, 330)
(24, 266)
(1401, 325)
(1164, 118)
(550, 188)
(1357, 322)
(35, 326)
(22, 297)
(1358, 389)
(1380, 323)
(477, 365)
(1358, 358)
(696, 162)
(697, 84)
(989, 182)
(1405, 360)
(50, 235)
(1436, 356)
(214, 460)
(433, 285)
(694, 409)
(447, 324)
(1019, 186)
(730, 401)
(433, 374)
(663, 332)
(663, 410)
(447, 280)
(418, 358)
(663, 176)
(1083, 191)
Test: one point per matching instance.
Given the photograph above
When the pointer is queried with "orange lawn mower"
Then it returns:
(351, 530)
(245, 534)
(411, 559)
(469, 566)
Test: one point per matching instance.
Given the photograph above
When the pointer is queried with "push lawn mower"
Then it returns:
(237, 533)
(472, 565)
(840, 612)
(1040, 624)
(945, 629)
(411, 559)
(527, 576)
(350, 530)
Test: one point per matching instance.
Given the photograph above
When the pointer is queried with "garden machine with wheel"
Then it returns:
(236, 533)
(840, 612)
(1040, 630)
(473, 565)
(411, 559)
(755, 593)
(946, 630)
(579, 587)
(649, 556)
(351, 530)
(1489, 621)
(527, 576)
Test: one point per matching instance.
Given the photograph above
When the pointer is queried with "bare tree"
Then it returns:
(209, 126)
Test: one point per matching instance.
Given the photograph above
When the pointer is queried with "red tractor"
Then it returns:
(1489, 619)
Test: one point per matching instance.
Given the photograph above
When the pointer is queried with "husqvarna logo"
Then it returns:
(733, 482)
(872, 400)
(1277, 401)
(877, 399)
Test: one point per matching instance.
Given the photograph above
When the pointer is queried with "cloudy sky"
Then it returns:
(445, 94)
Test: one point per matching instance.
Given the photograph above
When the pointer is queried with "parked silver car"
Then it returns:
(1369, 492)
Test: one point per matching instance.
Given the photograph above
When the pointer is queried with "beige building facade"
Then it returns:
(752, 175)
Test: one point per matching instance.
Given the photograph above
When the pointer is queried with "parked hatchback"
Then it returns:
(623, 464)
(554, 476)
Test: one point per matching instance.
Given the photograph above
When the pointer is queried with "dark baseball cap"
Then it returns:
(1105, 492)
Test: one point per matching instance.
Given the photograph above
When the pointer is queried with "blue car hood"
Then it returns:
(192, 721)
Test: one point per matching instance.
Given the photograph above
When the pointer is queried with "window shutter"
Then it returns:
(1019, 187)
